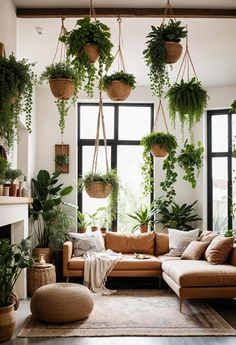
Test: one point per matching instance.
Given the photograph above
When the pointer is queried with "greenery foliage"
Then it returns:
(83, 221)
(230, 233)
(189, 100)
(175, 216)
(155, 54)
(233, 107)
(145, 215)
(108, 178)
(62, 159)
(13, 259)
(126, 78)
(191, 160)
(4, 165)
(12, 174)
(94, 32)
(16, 89)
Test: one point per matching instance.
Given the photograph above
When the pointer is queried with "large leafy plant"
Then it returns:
(16, 89)
(191, 160)
(94, 32)
(13, 259)
(155, 53)
(189, 100)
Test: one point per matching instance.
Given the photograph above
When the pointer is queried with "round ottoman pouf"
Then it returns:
(61, 302)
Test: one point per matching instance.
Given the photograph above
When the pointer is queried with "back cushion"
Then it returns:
(129, 244)
(219, 250)
(232, 257)
(161, 243)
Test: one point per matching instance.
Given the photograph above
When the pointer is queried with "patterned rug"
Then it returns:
(137, 313)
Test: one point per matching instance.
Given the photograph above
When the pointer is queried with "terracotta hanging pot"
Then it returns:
(143, 228)
(118, 91)
(7, 322)
(173, 51)
(98, 189)
(92, 51)
(62, 88)
(157, 151)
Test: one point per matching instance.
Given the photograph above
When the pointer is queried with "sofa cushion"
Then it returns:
(194, 250)
(76, 263)
(219, 250)
(161, 243)
(87, 242)
(179, 240)
(200, 273)
(207, 236)
(129, 244)
(232, 256)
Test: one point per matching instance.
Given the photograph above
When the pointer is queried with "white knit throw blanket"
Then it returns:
(97, 266)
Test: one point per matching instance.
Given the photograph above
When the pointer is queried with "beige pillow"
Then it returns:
(219, 249)
(194, 250)
(179, 240)
(207, 236)
(161, 243)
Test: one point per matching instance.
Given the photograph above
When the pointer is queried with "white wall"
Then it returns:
(8, 26)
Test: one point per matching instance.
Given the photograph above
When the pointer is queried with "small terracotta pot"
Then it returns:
(94, 228)
(82, 230)
(92, 51)
(143, 228)
(12, 188)
(157, 151)
(7, 322)
(103, 230)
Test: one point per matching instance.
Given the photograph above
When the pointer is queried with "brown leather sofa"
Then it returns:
(187, 278)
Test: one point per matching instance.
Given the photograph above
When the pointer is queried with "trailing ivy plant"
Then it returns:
(155, 53)
(16, 88)
(94, 32)
(191, 160)
(126, 78)
(233, 107)
(189, 100)
(165, 141)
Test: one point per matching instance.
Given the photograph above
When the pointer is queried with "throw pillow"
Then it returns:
(207, 236)
(87, 242)
(219, 249)
(179, 240)
(161, 243)
(194, 250)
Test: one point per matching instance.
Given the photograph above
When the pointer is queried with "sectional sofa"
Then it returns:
(187, 278)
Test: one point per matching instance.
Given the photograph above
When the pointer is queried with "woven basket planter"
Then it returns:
(157, 151)
(62, 88)
(92, 51)
(7, 322)
(98, 189)
(118, 91)
(173, 51)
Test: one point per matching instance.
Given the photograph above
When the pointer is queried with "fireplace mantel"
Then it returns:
(6, 200)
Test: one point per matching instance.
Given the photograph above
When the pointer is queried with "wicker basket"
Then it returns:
(62, 88)
(92, 51)
(157, 151)
(173, 51)
(98, 189)
(37, 277)
(118, 91)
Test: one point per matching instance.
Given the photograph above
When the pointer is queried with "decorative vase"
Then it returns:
(118, 91)
(173, 51)
(12, 189)
(45, 252)
(62, 88)
(98, 189)
(7, 322)
(143, 228)
(92, 51)
(157, 151)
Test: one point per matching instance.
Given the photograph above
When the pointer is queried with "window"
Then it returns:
(125, 124)
(221, 131)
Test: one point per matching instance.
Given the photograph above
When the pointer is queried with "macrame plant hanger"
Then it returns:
(156, 150)
(119, 53)
(92, 13)
(168, 13)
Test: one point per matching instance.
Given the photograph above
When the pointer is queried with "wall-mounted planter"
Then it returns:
(62, 158)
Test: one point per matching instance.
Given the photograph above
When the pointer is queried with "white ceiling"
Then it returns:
(212, 42)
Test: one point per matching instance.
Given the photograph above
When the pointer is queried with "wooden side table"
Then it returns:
(39, 275)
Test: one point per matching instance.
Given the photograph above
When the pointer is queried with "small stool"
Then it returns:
(61, 302)
(38, 276)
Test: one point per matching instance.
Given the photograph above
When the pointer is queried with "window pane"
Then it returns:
(131, 198)
(88, 122)
(220, 202)
(134, 122)
(234, 192)
(220, 133)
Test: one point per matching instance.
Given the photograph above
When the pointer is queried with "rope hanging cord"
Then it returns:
(63, 31)
(100, 121)
(169, 9)
(92, 13)
(119, 54)
(160, 109)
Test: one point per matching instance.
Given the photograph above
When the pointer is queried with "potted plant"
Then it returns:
(4, 165)
(144, 218)
(118, 85)
(94, 218)
(189, 100)
(16, 88)
(98, 185)
(89, 41)
(13, 259)
(82, 222)
(191, 160)
(11, 176)
(163, 48)
(47, 197)
(62, 159)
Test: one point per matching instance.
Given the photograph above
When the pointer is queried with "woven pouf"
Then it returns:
(61, 302)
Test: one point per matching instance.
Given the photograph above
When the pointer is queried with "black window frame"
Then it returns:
(210, 156)
(113, 143)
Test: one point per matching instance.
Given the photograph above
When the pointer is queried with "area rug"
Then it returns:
(137, 313)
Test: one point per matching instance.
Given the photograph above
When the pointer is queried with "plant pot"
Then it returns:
(173, 51)
(7, 322)
(92, 51)
(12, 188)
(1, 189)
(143, 228)
(82, 230)
(45, 252)
(13, 100)
(98, 189)
(103, 230)
(94, 228)
(118, 91)
(62, 88)
(157, 151)
(6, 190)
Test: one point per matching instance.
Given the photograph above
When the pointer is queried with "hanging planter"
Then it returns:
(62, 88)
(118, 85)
(98, 189)
(92, 52)
(159, 143)
(173, 51)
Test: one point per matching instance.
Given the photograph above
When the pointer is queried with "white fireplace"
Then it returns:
(14, 212)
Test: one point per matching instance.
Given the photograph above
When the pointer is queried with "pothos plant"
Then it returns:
(191, 160)
(16, 88)
(126, 78)
(168, 142)
(94, 32)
